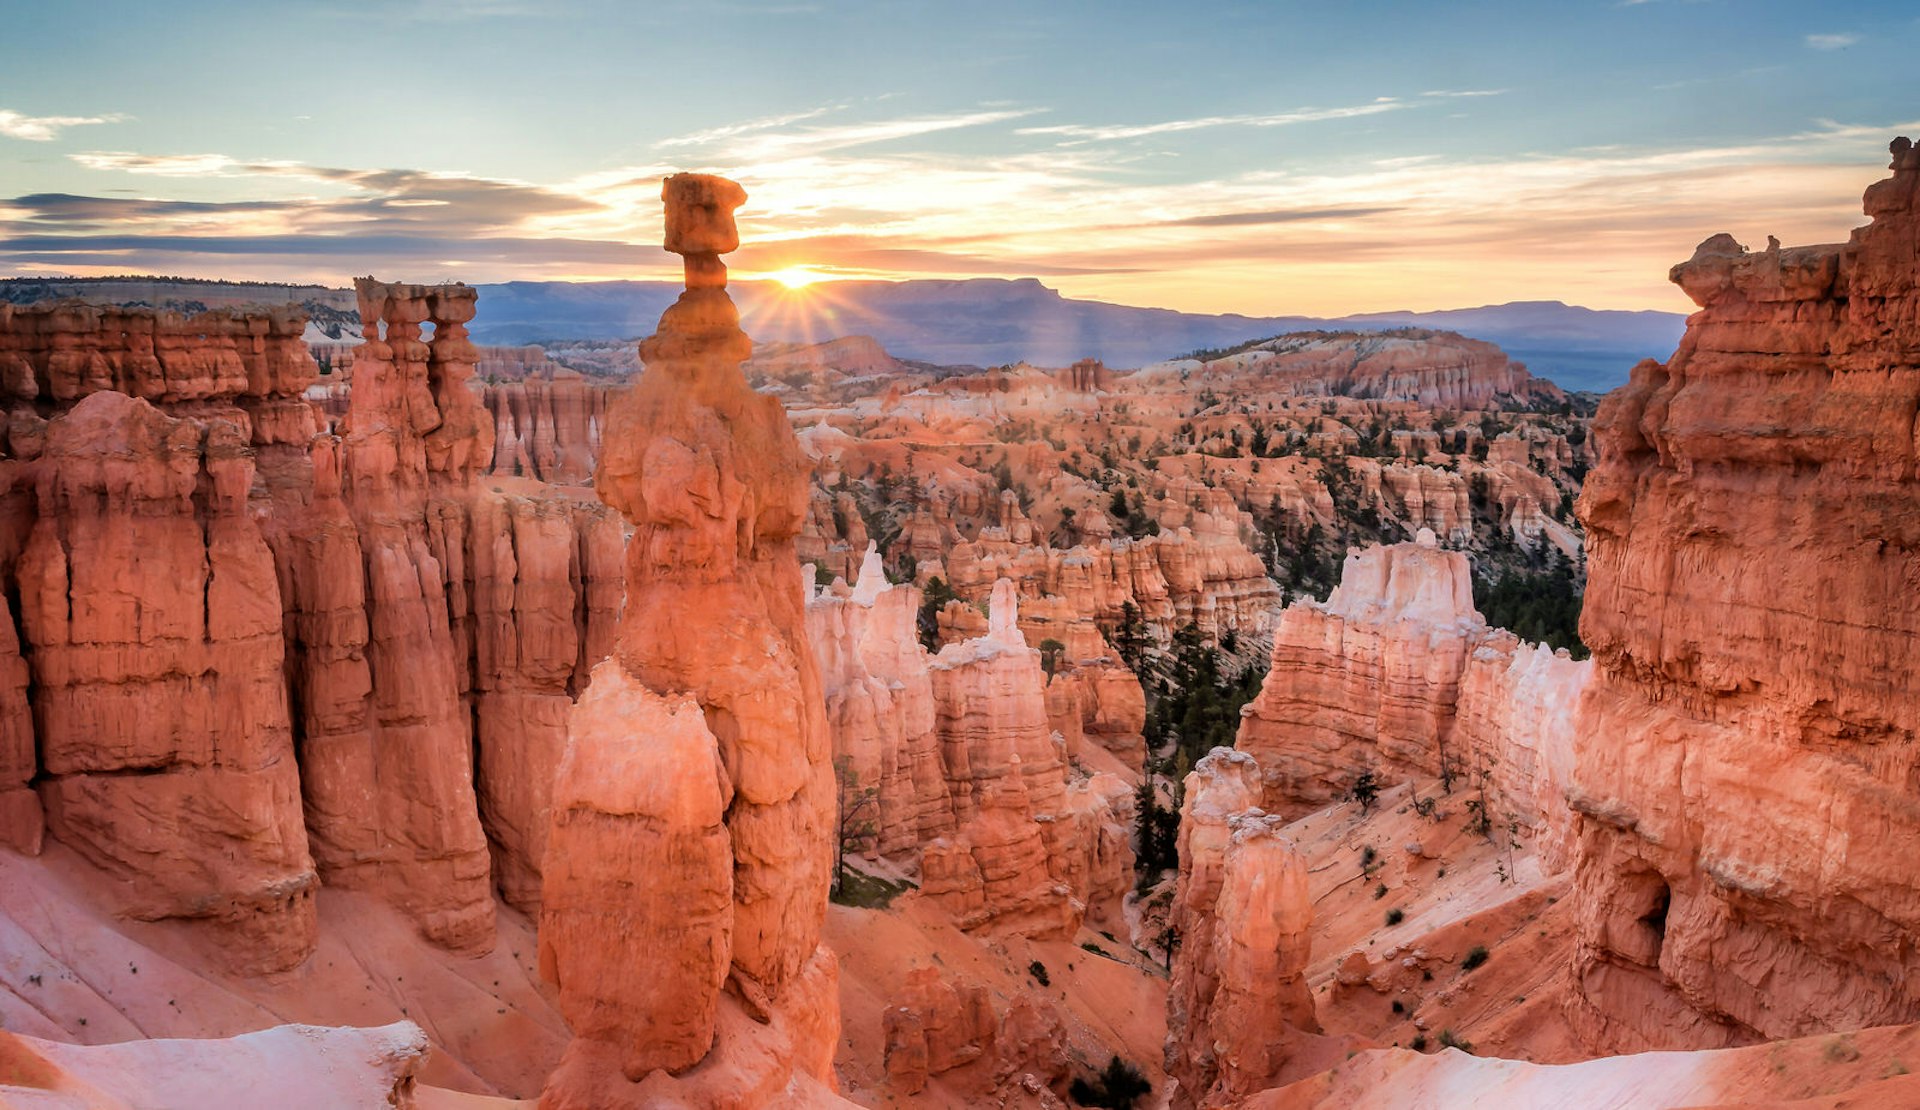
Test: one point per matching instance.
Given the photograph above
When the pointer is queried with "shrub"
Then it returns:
(1476, 956)
(1396, 915)
(1418, 1043)
(1448, 1039)
(1039, 972)
(1116, 1088)
(1366, 790)
(1379, 891)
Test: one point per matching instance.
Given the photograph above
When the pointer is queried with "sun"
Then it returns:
(797, 277)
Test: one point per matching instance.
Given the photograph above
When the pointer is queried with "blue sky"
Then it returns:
(1257, 157)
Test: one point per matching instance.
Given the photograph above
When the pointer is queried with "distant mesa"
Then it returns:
(981, 321)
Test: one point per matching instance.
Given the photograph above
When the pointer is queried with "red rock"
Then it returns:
(731, 821)
(1397, 675)
(1748, 826)
(149, 600)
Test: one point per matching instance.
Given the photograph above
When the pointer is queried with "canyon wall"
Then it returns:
(1748, 790)
(1436, 369)
(1397, 675)
(220, 603)
(1198, 570)
(963, 765)
(547, 426)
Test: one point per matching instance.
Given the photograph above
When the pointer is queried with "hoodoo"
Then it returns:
(687, 864)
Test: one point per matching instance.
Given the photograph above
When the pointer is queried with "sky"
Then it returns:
(1264, 157)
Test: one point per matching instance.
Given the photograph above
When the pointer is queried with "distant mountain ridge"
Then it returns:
(982, 321)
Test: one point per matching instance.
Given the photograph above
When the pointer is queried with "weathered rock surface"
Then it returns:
(219, 602)
(149, 600)
(965, 767)
(547, 426)
(387, 758)
(1029, 855)
(1199, 572)
(699, 860)
(1396, 674)
(1241, 907)
(1434, 368)
(296, 1066)
(1749, 816)
(936, 1026)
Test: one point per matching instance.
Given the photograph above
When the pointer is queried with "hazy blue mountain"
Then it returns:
(988, 321)
(982, 321)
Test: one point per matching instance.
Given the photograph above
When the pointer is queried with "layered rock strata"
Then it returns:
(938, 1026)
(1200, 573)
(964, 766)
(219, 603)
(1748, 824)
(547, 427)
(166, 755)
(1397, 675)
(696, 860)
(387, 754)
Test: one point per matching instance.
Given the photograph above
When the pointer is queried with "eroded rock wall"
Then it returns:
(1397, 675)
(965, 766)
(221, 603)
(1748, 799)
(1239, 997)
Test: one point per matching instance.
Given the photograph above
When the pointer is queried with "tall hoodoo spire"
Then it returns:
(687, 869)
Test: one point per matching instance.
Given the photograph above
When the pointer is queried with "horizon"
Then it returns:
(1239, 160)
(767, 279)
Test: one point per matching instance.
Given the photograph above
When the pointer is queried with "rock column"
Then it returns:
(690, 845)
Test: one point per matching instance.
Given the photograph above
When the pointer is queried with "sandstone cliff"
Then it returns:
(964, 765)
(1749, 821)
(1397, 675)
(1239, 996)
(219, 601)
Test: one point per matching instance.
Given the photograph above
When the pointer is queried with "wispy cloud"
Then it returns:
(1838, 41)
(1408, 230)
(40, 129)
(1276, 216)
(761, 140)
(1111, 132)
(745, 127)
(1082, 133)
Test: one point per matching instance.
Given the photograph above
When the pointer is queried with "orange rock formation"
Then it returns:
(1396, 674)
(965, 767)
(696, 859)
(1239, 997)
(1748, 814)
(220, 602)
